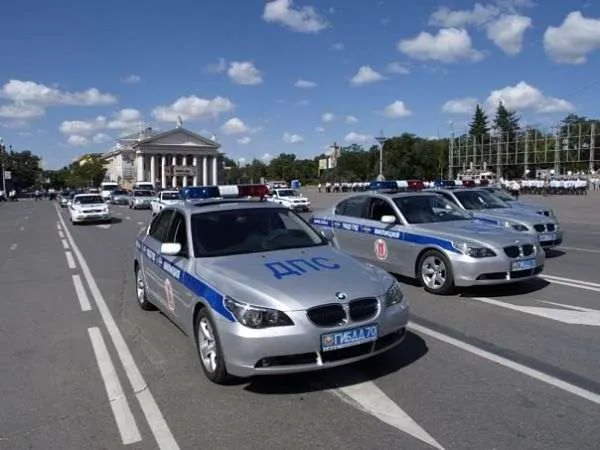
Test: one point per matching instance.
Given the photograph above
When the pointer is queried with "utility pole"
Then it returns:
(498, 156)
(526, 156)
(2, 150)
(451, 154)
(557, 152)
(381, 139)
(592, 146)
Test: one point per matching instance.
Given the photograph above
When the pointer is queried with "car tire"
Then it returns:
(140, 291)
(435, 273)
(209, 349)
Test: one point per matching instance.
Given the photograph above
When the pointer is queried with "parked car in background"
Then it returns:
(140, 199)
(119, 197)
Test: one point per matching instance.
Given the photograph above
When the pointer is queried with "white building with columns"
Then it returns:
(174, 158)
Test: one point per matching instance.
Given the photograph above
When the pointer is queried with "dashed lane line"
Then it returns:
(156, 421)
(70, 260)
(65, 244)
(585, 285)
(579, 249)
(126, 424)
(13, 247)
(82, 296)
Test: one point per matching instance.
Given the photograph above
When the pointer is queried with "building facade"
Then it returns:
(170, 159)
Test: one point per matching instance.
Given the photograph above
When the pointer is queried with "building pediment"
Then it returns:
(179, 137)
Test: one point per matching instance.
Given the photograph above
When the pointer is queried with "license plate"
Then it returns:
(547, 237)
(348, 338)
(523, 265)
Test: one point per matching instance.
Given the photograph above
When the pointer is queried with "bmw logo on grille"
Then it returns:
(341, 295)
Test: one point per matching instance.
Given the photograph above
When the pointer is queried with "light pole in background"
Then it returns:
(2, 149)
(381, 139)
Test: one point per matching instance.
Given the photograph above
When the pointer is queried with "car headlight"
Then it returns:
(515, 226)
(393, 295)
(256, 317)
(474, 251)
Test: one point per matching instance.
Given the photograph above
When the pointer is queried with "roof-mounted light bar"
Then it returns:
(224, 191)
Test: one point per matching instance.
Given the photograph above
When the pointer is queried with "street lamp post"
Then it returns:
(381, 140)
(2, 148)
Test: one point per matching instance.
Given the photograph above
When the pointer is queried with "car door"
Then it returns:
(151, 260)
(179, 300)
(384, 245)
(348, 218)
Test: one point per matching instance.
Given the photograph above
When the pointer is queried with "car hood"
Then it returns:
(527, 205)
(514, 215)
(262, 279)
(91, 206)
(474, 232)
(169, 202)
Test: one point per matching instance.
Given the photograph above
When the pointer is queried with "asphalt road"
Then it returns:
(81, 366)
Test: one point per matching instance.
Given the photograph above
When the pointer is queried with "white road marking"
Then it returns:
(21, 228)
(26, 217)
(70, 260)
(58, 226)
(585, 285)
(116, 397)
(536, 374)
(13, 247)
(579, 249)
(61, 235)
(570, 280)
(128, 218)
(573, 315)
(65, 244)
(156, 421)
(374, 401)
(82, 296)
(140, 223)
(106, 226)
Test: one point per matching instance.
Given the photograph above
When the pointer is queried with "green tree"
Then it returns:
(479, 125)
(25, 169)
(506, 121)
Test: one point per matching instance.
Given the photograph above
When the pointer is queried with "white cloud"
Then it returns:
(193, 107)
(339, 46)
(243, 141)
(351, 119)
(244, 73)
(83, 127)
(507, 32)
(305, 84)
(125, 119)
(448, 45)
(366, 75)
(303, 102)
(303, 19)
(78, 141)
(289, 138)
(571, 42)
(523, 96)
(397, 68)
(464, 105)
(328, 117)
(218, 67)
(479, 15)
(131, 79)
(101, 138)
(357, 138)
(396, 110)
(31, 92)
(266, 157)
(319, 130)
(21, 111)
(234, 126)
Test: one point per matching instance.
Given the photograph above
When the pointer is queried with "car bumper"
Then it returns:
(297, 348)
(497, 270)
(96, 217)
(119, 201)
(141, 205)
(301, 208)
(551, 239)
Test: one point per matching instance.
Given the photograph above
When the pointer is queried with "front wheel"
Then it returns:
(140, 290)
(435, 273)
(209, 349)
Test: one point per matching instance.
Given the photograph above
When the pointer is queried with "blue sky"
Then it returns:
(283, 75)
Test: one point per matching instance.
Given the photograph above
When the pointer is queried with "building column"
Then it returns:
(184, 164)
(204, 171)
(153, 169)
(195, 164)
(139, 165)
(163, 173)
(214, 171)
(174, 178)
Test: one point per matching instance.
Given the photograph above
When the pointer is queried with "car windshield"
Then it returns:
(286, 193)
(170, 196)
(428, 209)
(88, 199)
(479, 199)
(119, 192)
(502, 195)
(252, 230)
(143, 193)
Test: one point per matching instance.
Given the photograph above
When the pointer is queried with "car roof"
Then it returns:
(189, 207)
(92, 194)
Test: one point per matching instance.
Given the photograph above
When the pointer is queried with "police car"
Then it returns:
(486, 207)
(88, 208)
(426, 237)
(260, 291)
(162, 199)
(513, 202)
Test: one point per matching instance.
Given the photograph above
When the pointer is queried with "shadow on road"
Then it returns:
(506, 290)
(412, 349)
(552, 253)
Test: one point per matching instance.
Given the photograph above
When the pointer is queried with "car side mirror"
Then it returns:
(170, 248)
(388, 219)
(328, 235)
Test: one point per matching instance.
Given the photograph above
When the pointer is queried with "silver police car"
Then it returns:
(488, 208)
(514, 203)
(426, 237)
(260, 291)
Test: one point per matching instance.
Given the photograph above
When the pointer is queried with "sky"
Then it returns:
(286, 76)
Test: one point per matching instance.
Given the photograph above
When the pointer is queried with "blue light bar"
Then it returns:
(199, 192)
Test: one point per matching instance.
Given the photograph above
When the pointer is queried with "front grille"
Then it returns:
(550, 226)
(516, 251)
(327, 315)
(512, 251)
(528, 249)
(539, 227)
(363, 309)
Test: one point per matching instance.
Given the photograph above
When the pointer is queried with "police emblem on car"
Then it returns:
(341, 295)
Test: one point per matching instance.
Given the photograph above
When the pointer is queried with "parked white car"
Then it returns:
(290, 199)
(162, 199)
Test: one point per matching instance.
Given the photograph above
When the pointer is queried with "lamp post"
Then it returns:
(381, 139)
(2, 148)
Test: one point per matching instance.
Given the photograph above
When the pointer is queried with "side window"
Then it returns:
(177, 232)
(447, 197)
(160, 225)
(378, 208)
(352, 207)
